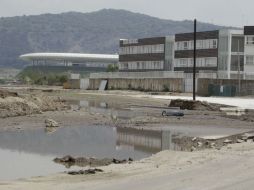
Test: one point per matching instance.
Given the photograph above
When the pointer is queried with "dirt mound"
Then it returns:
(5, 93)
(13, 105)
(194, 105)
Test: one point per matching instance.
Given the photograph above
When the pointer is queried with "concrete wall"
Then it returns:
(74, 83)
(246, 86)
(84, 84)
(173, 85)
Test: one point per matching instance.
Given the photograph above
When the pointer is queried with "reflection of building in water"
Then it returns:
(104, 108)
(145, 140)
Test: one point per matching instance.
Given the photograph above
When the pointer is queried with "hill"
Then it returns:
(95, 32)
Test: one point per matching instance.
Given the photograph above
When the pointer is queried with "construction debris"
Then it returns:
(12, 104)
(51, 123)
(194, 105)
(227, 141)
(69, 161)
(85, 172)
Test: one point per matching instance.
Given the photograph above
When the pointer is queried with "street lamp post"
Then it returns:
(194, 61)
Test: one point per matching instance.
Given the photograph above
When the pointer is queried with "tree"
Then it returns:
(112, 68)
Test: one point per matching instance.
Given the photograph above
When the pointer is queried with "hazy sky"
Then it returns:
(223, 12)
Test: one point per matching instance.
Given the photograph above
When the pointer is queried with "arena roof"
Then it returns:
(71, 57)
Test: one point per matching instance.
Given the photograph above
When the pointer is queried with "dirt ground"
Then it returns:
(230, 167)
(40, 104)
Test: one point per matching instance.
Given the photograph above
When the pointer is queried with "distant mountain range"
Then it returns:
(95, 32)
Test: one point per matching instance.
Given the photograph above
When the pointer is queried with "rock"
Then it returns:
(194, 139)
(51, 123)
(193, 148)
(115, 161)
(65, 159)
(227, 141)
(200, 144)
(212, 145)
(244, 138)
(85, 172)
(130, 160)
(239, 141)
(248, 136)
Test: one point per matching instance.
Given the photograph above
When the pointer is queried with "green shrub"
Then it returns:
(112, 68)
(165, 88)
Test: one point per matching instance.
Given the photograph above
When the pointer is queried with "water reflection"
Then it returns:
(29, 148)
(95, 107)
(97, 141)
(146, 140)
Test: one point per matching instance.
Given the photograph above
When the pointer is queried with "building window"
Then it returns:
(125, 66)
(249, 60)
(237, 44)
(190, 62)
(146, 49)
(183, 63)
(185, 45)
(200, 62)
(214, 42)
(250, 40)
(237, 62)
(210, 62)
(131, 41)
(201, 44)
(191, 43)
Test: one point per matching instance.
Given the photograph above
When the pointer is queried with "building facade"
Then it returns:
(207, 51)
(142, 54)
(249, 51)
(228, 53)
(224, 63)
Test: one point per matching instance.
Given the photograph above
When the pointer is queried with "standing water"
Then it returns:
(30, 153)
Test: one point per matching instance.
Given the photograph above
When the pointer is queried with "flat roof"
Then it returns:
(71, 57)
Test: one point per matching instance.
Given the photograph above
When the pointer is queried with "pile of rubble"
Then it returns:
(69, 161)
(194, 105)
(12, 104)
(199, 143)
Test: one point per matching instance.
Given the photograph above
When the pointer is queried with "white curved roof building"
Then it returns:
(71, 57)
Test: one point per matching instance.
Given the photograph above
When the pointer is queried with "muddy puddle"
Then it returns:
(112, 109)
(30, 152)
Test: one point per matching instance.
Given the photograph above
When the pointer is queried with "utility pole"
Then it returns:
(194, 60)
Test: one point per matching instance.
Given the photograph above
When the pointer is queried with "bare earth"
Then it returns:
(232, 167)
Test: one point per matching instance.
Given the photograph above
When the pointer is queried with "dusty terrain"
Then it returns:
(229, 167)
(35, 105)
